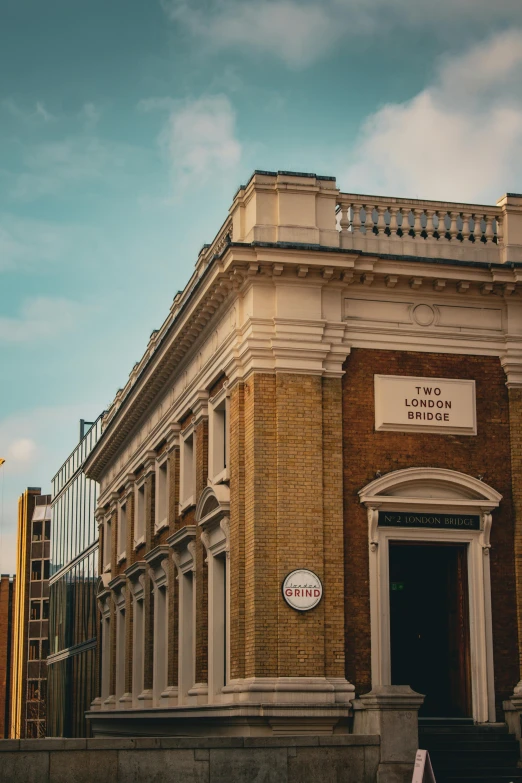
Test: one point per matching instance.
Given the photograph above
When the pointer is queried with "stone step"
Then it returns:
(483, 729)
(507, 743)
(487, 777)
(472, 759)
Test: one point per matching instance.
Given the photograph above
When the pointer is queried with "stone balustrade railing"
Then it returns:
(420, 228)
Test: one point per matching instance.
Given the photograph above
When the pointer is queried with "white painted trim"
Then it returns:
(374, 496)
(139, 530)
(218, 441)
(187, 501)
(122, 539)
(162, 461)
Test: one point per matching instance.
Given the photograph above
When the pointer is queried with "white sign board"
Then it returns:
(444, 405)
(302, 590)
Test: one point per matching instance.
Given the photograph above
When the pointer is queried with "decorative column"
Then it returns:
(157, 560)
(183, 551)
(212, 517)
(149, 470)
(136, 576)
(108, 702)
(172, 582)
(118, 587)
(128, 498)
(200, 421)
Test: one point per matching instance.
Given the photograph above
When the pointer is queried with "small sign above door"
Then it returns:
(439, 521)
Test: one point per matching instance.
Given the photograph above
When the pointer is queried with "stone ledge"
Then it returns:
(185, 743)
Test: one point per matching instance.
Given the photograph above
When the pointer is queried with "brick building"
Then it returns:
(337, 391)
(31, 613)
(73, 614)
(7, 591)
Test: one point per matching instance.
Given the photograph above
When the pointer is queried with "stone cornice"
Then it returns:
(239, 267)
(182, 537)
(155, 559)
(135, 570)
(117, 583)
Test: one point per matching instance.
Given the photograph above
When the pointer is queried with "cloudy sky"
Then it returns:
(126, 127)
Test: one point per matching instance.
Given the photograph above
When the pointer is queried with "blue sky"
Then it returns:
(126, 127)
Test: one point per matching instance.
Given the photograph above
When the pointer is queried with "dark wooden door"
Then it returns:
(429, 625)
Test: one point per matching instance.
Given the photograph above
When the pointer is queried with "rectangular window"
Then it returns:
(34, 650)
(45, 607)
(35, 610)
(122, 531)
(46, 565)
(107, 544)
(187, 471)
(36, 570)
(161, 494)
(45, 648)
(37, 531)
(47, 531)
(139, 527)
(33, 690)
(218, 441)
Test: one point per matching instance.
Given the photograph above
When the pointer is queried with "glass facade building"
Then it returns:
(72, 594)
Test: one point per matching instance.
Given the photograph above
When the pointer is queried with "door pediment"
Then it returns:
(435, 486)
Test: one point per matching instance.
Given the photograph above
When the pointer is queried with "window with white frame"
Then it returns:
(122, 531)
(139, 524)
(107, 543)
(218, 451)
(120, 651)
(161, 492)
(187, 469)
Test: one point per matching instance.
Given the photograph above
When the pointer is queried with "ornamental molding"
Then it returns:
(429, 487)
(156, 560)
(276, 346)
(118, 586)
(183, 545)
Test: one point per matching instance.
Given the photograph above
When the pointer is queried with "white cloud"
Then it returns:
(156, 104)
(459, 139)
(199, 140)
(40, 318)
(299, 32)
(90, 115)
(48, 168)
(26, 243)
(38, 113)
(22, 450)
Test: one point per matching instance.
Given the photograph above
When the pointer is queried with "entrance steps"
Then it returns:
(461, 752)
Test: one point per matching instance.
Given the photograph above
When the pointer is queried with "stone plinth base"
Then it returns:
(223, 720)
(348, 758)
(513, 712)
(392, 712)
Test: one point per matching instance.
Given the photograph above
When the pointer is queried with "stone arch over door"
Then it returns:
(432, 491)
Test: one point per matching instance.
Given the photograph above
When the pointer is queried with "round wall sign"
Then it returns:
(302, 590)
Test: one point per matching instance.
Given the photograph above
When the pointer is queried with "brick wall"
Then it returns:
(515, 414)
(261, 586)
(487, 454)
(6, 630)
(173, 597)
(286, 513)
(201, 573)
(237, 531)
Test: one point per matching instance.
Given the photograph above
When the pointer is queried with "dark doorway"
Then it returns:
(429, 625)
